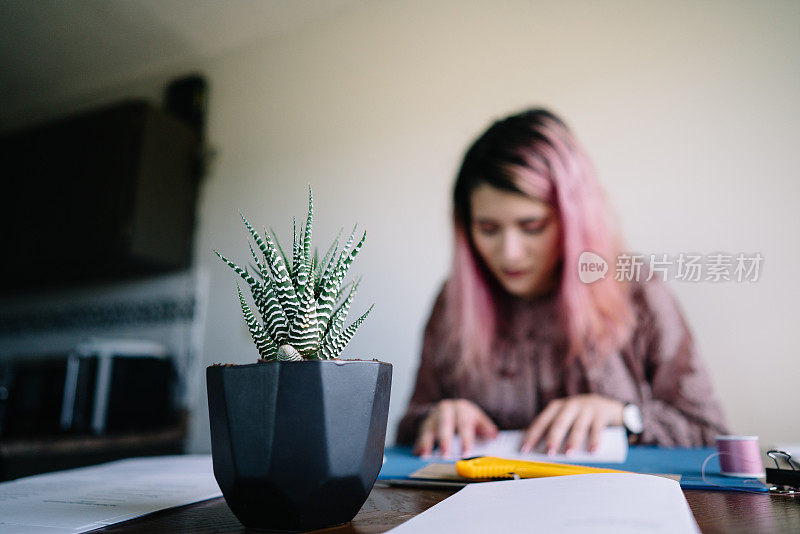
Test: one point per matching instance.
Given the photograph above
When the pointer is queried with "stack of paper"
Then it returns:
(83, 499)
(612, 503)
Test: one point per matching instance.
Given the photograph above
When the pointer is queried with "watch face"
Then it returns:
(632, 418)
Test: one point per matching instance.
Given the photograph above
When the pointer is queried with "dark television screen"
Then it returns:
(104, 195)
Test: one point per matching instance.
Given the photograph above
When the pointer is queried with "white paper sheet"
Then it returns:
(83, 499)
(608, 503)
(613, 449)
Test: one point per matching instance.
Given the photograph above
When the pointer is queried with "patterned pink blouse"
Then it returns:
(658, 370)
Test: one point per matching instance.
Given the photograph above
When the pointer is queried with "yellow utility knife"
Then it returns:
(491, 467)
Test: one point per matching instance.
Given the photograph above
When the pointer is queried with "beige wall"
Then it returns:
(689, 109)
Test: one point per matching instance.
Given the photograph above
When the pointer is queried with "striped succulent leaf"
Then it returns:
(342, 266)
(304, 332)
(322, 267)
(282, 283)
(255, 287)
(296, 249)
(303, 269)
(331, 284)
(328, 291)
(315, 274)
(289, 268)
(259, 268)
(268, 305)
(345, 260)
(266, 347)
(257, 238)
(265, 300)
(307, 229)
(332, 347)
(274, 258)
(349, 242)
(338, 273)
(296, 302)
(340, 315)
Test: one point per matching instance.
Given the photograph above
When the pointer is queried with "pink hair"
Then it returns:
(597, 318)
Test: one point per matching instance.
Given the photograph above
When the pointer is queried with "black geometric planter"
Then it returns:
(298, 445)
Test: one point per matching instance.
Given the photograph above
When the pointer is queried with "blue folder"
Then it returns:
(687, 462)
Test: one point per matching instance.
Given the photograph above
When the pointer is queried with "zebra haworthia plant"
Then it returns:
(297, 300)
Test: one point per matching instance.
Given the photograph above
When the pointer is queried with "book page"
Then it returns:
(613, 449)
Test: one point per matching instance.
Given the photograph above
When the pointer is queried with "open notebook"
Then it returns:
(613, 449)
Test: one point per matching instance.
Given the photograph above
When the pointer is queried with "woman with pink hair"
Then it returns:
(517, 341)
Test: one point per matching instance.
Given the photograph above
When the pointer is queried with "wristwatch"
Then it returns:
(632, 419)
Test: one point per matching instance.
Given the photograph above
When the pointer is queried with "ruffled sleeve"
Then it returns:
(430, 387)
(678, 404)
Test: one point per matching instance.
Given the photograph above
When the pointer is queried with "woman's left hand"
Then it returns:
(570, 420)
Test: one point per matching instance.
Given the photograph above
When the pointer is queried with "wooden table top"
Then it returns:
(387, 507)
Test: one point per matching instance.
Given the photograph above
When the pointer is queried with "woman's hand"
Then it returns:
(572, 418)
(452, 416)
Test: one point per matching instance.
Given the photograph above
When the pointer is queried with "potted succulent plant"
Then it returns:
(297, 438)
